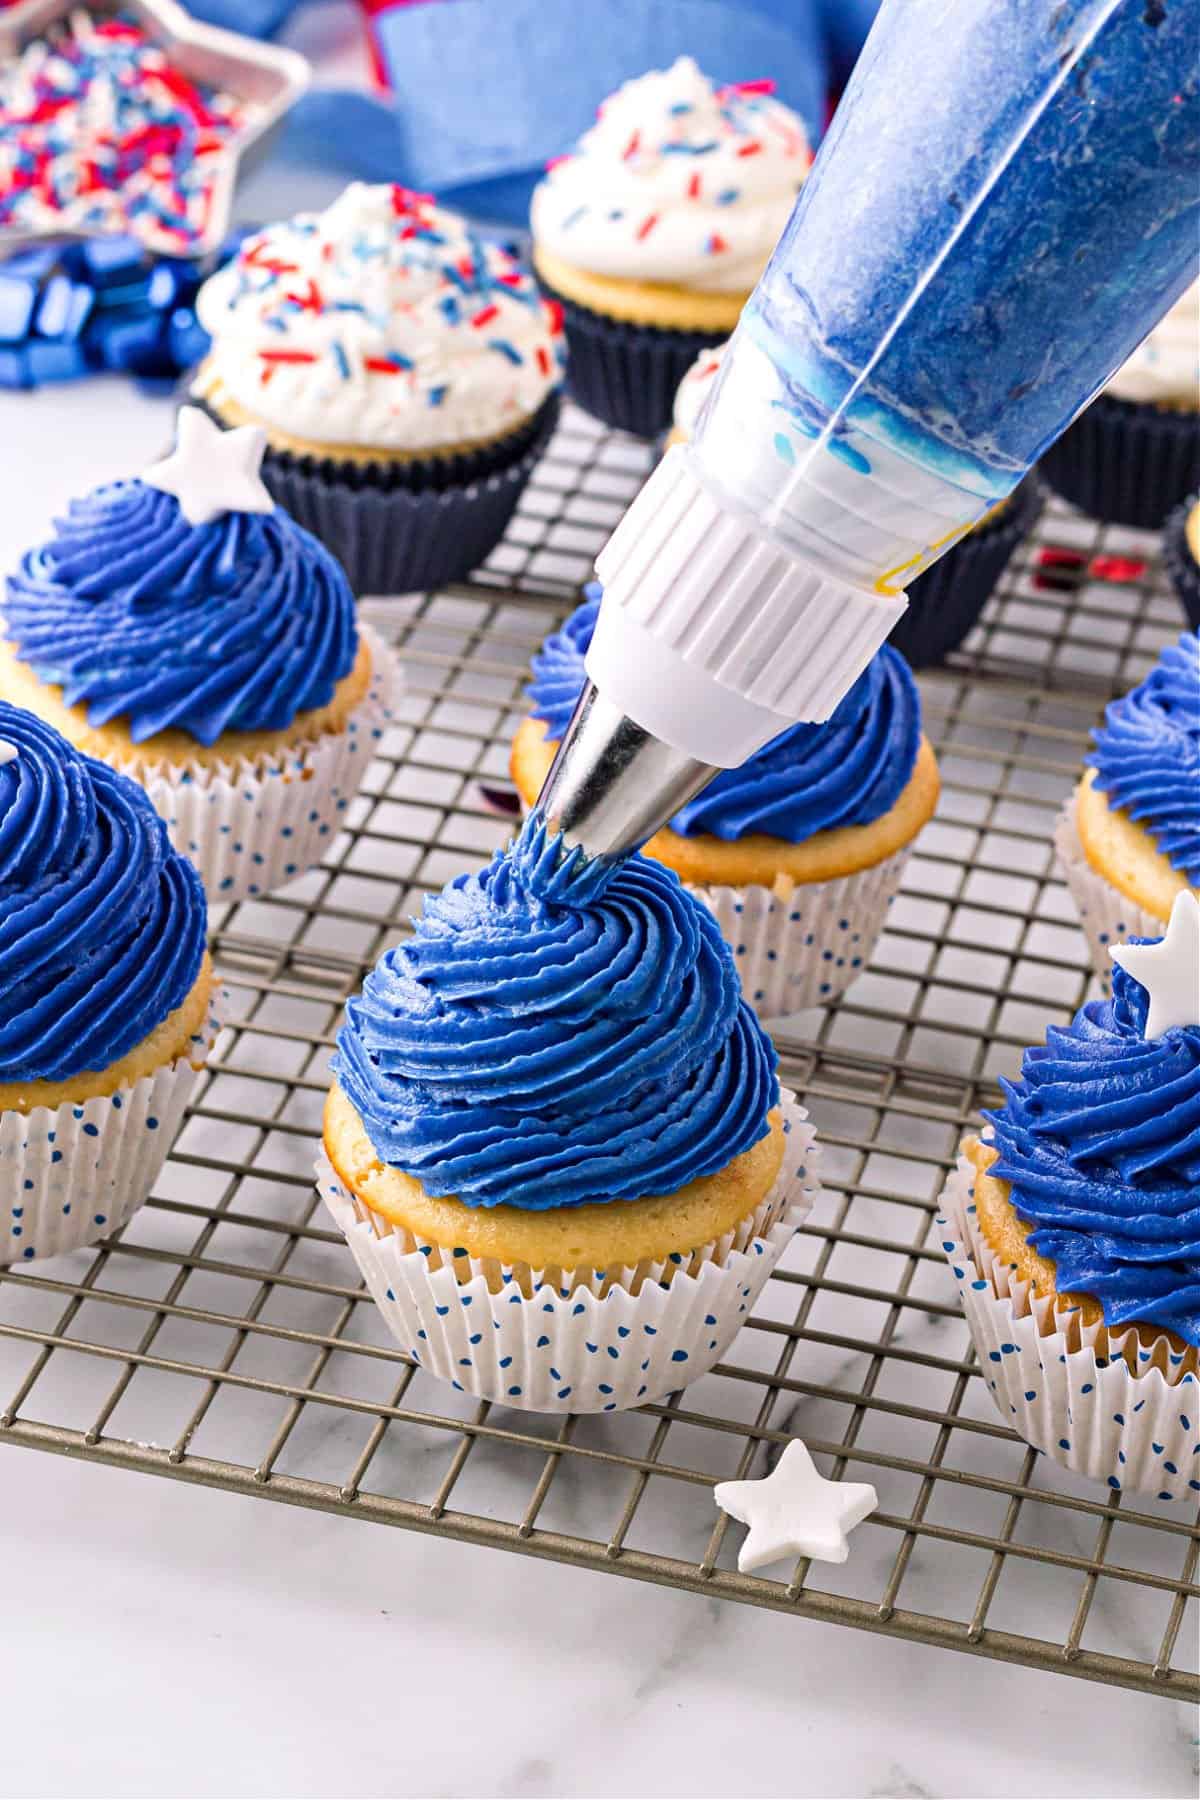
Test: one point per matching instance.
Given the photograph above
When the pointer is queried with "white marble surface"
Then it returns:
(160, 1639)
(163, 1639)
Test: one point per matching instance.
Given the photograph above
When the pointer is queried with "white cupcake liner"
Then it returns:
(249, 826)
(1064, 1386)
(75, 1172)
(1106, 915)
(801, 944)
(586, 1340)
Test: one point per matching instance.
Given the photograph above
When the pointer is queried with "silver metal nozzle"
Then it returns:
(611, 785)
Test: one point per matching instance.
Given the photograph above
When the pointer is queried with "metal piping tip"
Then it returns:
(612, 786)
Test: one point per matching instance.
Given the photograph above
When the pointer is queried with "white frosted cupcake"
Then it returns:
(185, 629)
(653, 230)
(799, 852)
(555, 1141)
(1134, 454)
(692, 392)
(105, 993)
(405, 371)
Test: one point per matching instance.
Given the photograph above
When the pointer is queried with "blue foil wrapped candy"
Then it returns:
(74, 309)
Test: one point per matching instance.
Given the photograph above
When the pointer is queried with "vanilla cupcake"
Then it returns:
(105, 993)
(1181, 554)
(1134, 453)
(555, 1140)
(405, 370)
(946, 599)
(184, 629)
(1129, 839)
(1073, 1229)
(799, 852)
(652, 232)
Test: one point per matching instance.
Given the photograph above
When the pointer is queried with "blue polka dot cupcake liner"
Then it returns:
(251, 827)
(576, 1341)
(801, 944)
(1096, 1402)
(1107, 916)
(74, 1173)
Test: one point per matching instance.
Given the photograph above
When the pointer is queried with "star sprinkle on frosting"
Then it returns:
(1169, 970)
(211, 471)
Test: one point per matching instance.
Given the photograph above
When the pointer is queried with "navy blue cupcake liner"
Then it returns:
(1126, 462)
(626, 375)
(1182, 568)
(400, 527)
(945, 601)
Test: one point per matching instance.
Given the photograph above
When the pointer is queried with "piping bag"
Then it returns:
(1007, 201)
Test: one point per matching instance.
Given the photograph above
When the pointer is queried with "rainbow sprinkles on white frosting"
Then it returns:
(679, 181)
(385, 321)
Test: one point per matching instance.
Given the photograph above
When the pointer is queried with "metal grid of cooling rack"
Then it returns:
(222, 1336)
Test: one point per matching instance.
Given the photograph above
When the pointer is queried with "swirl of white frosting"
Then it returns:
(677, 182)
(1164, 370)
(694, 389)
(385, 321)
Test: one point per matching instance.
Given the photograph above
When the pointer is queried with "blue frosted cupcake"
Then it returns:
(555, 1140)
(800, 851)
(188, 631)
(104, 992)
(1073, 1228)
(1129, 838)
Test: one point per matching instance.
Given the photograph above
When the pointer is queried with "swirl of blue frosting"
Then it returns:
(848, 771)
(102, 923)
(546, 1038)
(1100, 1143)
(235, 625)
(1147, 755)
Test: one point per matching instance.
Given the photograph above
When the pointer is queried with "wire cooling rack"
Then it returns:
(223, 1338)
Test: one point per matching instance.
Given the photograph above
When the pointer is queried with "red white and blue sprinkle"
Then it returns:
(99, 131)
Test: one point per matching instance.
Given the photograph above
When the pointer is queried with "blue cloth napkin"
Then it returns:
(483, 92)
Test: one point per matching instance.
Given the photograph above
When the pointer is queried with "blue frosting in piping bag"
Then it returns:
(848, 771)
(233, 625)
(555, 1033)
(1100, 1143)
(101, 922)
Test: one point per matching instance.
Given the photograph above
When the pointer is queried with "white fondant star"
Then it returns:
(795, 1511)
(8, 752)
(1170, 969)
(211, 471)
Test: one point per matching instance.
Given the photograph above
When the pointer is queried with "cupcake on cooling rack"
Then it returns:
(654, 229)
(405, 370)
(105, 1003)
(186, 630)
(555, 1140)
(1134, 454)
(1072, 1227)
(947, 598)
(1129, 839)
(800, 851)
(1181, 553)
